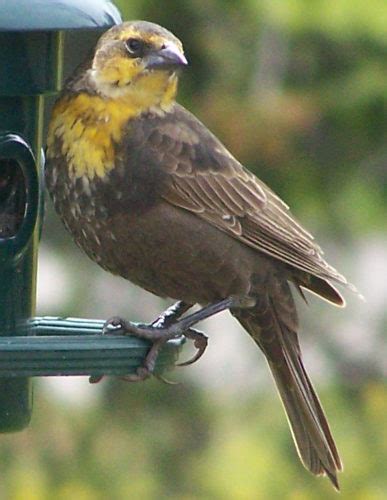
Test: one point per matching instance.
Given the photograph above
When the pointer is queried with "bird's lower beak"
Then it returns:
(169, 57)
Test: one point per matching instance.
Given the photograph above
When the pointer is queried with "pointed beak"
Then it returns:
(169, 57)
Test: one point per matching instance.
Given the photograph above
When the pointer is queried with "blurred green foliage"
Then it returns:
(297, 90)
(153, 442)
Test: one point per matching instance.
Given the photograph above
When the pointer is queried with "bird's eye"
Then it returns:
(135, 47)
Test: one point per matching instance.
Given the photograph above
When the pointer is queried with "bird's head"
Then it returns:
(138, 60)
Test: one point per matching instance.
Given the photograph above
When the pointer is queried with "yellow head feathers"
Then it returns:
(136, 59)
(133, 70)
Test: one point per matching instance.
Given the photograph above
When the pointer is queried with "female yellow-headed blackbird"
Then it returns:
(151, 195)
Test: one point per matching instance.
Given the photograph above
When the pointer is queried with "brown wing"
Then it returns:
(204, 178)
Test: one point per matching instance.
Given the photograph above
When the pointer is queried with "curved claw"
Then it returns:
(200, 342)
(112, 325)
(165, 380)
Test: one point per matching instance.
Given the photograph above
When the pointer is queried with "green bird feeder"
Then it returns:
(32, 36)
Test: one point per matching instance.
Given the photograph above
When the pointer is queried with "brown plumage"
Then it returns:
(164, 204)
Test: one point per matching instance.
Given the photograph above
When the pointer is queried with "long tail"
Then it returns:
(272, 323)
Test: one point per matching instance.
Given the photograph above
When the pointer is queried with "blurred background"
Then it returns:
(297, 92)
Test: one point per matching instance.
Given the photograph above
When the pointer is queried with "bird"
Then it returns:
(151, 195)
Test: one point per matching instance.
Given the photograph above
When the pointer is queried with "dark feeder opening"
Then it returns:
(13, 197)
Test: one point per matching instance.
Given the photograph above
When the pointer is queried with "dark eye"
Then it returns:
(135, 47)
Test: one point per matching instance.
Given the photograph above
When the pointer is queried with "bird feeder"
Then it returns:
(32, 34)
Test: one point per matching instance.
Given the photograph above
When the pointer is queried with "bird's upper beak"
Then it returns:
(168, 57)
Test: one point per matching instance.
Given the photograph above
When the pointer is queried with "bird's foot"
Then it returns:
(164, 328)
(158, 332)
(147, 369)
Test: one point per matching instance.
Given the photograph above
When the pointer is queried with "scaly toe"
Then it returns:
(142, 373)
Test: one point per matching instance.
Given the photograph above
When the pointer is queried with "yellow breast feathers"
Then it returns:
(86, 127)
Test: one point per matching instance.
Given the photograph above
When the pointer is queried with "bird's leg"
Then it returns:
(170, 328)
(174, 330)
(172, 314)
(147, 369)
(158, 333)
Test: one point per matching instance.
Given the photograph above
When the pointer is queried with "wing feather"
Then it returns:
(204, 178)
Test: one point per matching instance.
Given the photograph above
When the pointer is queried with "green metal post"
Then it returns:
(21, 110)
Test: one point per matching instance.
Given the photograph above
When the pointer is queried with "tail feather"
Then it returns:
(319, 286)
(294, 360)
(308, 424)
